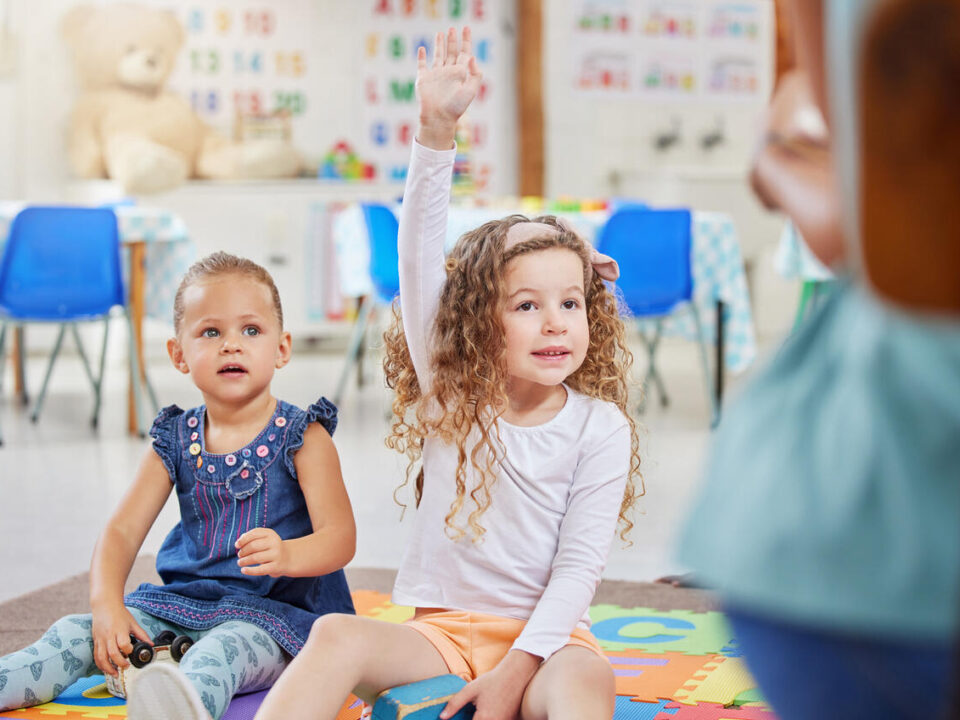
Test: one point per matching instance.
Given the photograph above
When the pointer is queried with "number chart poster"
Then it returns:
(394, 29)
(250, 58)
(699, 50)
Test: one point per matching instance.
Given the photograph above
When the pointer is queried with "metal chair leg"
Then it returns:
(22, 360)
(653, 375)
(711, 395)
(355, 347)
(653, 372)
(151, 393)
(98, 388)
(3, 357)
(83, 356)
(46, 379)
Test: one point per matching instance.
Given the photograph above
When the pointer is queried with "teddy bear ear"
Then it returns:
(174, 27)
(73, 23)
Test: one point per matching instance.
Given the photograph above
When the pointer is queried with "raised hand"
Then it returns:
(446, 88)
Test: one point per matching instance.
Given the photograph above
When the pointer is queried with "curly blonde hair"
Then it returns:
(468, 362)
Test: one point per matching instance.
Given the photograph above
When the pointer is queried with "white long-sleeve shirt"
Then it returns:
(556, 498)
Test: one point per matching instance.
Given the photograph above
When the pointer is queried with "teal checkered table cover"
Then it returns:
(793, 258)
(718, 270)
(169, 250)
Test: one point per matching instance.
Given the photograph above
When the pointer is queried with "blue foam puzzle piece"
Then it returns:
(628, 709)
(422, 700)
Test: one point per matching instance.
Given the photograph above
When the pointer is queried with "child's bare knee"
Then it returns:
(332, 630)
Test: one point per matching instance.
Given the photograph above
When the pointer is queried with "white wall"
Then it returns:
(594, 147)
(599, 147)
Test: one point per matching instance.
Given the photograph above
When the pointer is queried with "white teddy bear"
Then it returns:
(128, 127)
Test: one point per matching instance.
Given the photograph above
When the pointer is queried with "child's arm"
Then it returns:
(444, 91)
(332, 543)
(113, 556)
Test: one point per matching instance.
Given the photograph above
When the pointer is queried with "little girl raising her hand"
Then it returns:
(510, 370)
(265, 523)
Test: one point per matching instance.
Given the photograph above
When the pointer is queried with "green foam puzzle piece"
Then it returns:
(750, 697)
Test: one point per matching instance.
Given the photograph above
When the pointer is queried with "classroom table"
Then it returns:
(720, 287)
(794, 260)
(158, 251)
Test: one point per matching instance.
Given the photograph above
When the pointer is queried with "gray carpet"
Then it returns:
(24, 619)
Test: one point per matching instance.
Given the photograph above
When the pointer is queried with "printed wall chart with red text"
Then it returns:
(674, 50)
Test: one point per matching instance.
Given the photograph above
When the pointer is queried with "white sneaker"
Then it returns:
(162, 692)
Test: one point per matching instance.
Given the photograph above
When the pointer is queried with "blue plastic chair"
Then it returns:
(62, 265)
(653, 248)
(382, 229)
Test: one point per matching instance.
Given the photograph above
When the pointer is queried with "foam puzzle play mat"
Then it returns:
(669, 665)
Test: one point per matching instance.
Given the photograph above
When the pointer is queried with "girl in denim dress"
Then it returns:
(266, 525)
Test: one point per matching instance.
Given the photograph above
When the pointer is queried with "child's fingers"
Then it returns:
(245, 538)
(123, 642)
(255, 546)
(140, 633)
(115, 656)
(451, 54)
(266, 568)
(101, 659)
(466, 46)
(454, 704)
(251, 535)
(257, 558)
(421, 58)
(438, 49)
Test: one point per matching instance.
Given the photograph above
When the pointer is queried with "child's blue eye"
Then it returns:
(251, 331)
(210, 333)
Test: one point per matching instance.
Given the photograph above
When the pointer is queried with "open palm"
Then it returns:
(447, 87)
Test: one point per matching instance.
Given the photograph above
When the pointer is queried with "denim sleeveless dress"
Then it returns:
(221, 497)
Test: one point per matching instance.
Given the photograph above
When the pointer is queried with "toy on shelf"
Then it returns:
(565, 203)
(262, 126)
(342, 163)
(463, 180)
(167, 647)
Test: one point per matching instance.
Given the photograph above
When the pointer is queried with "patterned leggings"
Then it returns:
(235, 657)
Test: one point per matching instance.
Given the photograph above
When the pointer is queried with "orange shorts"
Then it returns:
(473, 643)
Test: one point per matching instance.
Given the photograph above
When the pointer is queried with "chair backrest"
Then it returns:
(382, 228)
(61, 263)
(653, 250)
